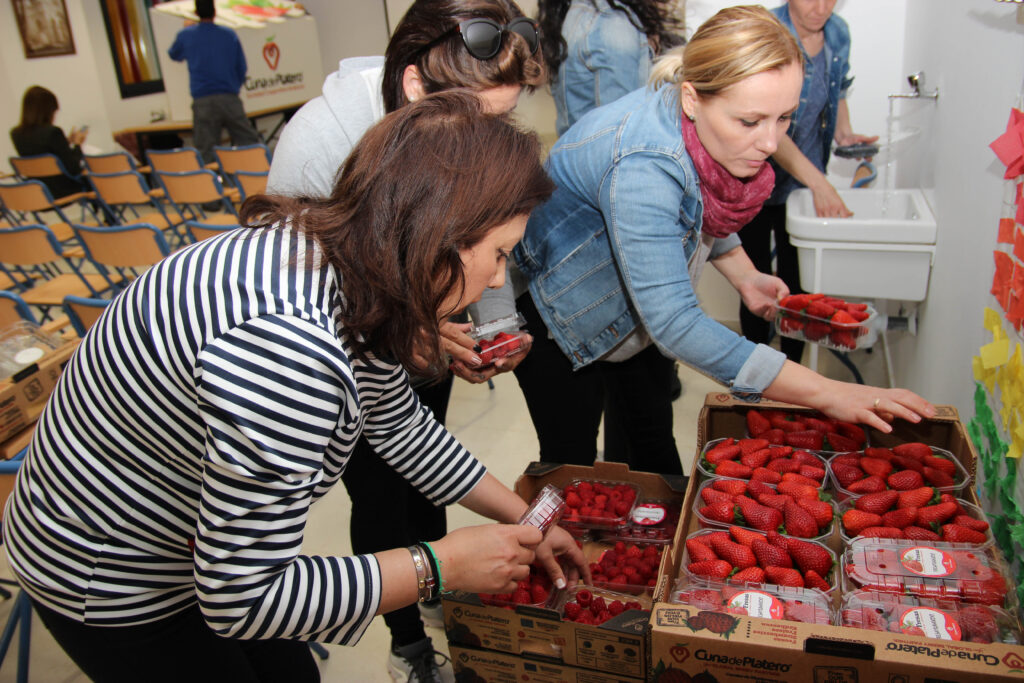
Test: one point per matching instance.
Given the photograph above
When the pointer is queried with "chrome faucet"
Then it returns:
(916, 81)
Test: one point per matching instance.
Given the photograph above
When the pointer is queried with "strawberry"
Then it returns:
(757, 424)
(730, 468)
(777, 540)
(775, 500)
(846, 459)
(852, 432)
(736, 554)
(876, 466)
(816, 330)
(783, 465)
(755, 458)
(805, 439)
(905, 480)
(757, 488)
(838, 442)
(782, 576)
(856, 520)
(819, 309)
(799, 522)
(710, 496)
(937, 477)
(971, 522)
(817, 425)
(816, 475)
(916, 450)
(814, 580)
(721, 453)
(712, 569)
(978, 624)
(904, 463)
(805, 457)
(719, 512)
(766, 475)
(878, 452)
(916, 498)
(870, 484)
(780, 451)
(844, 339)
(774, 435)
(795, 302)
(881, 532)
(842, 319)
(758, 516)
(769, 555)
(748, 575)
(745, 536)
(752, 445)
(917, 533)
(698, 551)
(730, 486)
(877, 502)
(819, 509)
(797, 490)
(804, 612)
(787, 422)
(900, 518)
(935, 514)
(810, 556)
(846, 474)
(954, 533)
(944, 464)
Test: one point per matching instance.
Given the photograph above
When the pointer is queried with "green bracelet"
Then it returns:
(437, 566)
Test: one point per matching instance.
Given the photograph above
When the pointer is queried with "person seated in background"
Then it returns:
(37, 134)
(491, 49)
(650, 188)
(165, 533)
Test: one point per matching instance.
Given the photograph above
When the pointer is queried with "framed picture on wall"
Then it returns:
(44, 27)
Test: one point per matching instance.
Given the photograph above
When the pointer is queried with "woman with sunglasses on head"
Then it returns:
(489, 47)
(164, 533)
(649, 188)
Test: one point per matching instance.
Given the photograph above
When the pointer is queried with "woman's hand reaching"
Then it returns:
(761, 292)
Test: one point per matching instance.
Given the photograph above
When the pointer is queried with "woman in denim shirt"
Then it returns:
(599, 50)
(650, 187)
(803, 154)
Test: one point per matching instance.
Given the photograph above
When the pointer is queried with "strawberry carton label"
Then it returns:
(828, 321)
(926, 570)
(651, 522)
(931, 618)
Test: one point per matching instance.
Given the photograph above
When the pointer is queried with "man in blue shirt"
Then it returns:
(216, 71)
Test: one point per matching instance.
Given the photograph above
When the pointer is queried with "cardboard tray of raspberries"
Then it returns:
(902, 467)
(806, 605)
(791, 507)
(809, 430)
(828, 321)
(499, 338)
(922, 514)
(935, 570)
(740, 556)
(755, 460)
(931, 618)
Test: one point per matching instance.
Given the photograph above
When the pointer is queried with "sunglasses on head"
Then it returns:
(482, 37)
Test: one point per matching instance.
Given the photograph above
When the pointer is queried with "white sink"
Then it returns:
(884, 251)
(894, 216)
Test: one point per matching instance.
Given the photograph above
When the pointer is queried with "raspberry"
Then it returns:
(572, 611)
(583, 597)
(538, 593)
(522, 597)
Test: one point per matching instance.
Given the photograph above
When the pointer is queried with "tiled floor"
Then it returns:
(495, 426)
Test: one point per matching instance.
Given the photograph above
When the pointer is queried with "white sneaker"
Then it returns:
(419, 663)
(432, 614)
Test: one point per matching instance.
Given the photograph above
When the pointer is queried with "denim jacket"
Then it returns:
(608, 252)
(837, 56)
(608, 56)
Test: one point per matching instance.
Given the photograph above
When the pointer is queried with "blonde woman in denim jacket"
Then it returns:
(651, 187)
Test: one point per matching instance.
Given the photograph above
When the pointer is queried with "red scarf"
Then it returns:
(729, 202)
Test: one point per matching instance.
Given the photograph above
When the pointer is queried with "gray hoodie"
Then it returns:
(321, 134)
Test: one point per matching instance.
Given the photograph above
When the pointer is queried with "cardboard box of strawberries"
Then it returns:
(914, 586)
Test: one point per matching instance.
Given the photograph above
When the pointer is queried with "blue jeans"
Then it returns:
(212, 114)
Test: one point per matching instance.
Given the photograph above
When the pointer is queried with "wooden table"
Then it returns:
(141, 133)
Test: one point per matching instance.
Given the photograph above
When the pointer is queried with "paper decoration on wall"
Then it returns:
(1008, 281)
(238, 13)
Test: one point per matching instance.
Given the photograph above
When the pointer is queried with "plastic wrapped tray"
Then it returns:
(961, 477)
(838, 336)
(586, 509)
(806, 605)
(688, 576)
(927, 570)
(971, 510)
(499, 338)
(707, 470)
(623, 566)
(705, 522)
(942, 619)
(651, 521)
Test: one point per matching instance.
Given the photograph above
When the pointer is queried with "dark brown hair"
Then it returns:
(37, 108)
(430, 179)
(445, 63)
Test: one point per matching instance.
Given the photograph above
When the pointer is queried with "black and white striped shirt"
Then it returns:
(211, 404)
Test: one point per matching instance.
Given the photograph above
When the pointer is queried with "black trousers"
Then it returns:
(756, 237)
(179, 648)
(565, 405)
(388, 512)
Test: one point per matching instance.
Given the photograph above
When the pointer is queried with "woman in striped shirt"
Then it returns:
(157, 521)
